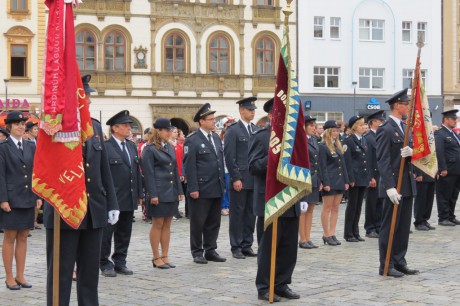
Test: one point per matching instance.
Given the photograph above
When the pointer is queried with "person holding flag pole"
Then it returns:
(397, 183)
(288, 181)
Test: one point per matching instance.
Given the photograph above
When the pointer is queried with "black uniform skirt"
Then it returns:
(313, 197)
(331, 192)
(163, 209)
(17, 219)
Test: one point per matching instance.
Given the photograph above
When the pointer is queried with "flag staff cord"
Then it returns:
(415, 81)
(56, 254)
(271, 293)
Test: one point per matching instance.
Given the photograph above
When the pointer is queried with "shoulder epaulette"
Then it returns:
(259, 130)
(94, 119)
(191, 134)
(232, 124)
(383, 124)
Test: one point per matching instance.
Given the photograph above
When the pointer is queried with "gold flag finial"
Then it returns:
(287, 12)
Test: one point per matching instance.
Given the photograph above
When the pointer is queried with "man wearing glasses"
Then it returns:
(204, 171)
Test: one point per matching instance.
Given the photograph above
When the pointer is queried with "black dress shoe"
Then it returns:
(14, 287)
(329, 240)
(200, 260)
(238, 255)
(455, 221)
(406, 270)
(305, 245)
(372, 235)
(287, 293)
(213, 256)
(265, 297)
(429, 226)
(351, 239)
(336, 240)
(249, 253)
(109, 273)
(446, 223)
(314, 246)
(421, 227)
(392, 272)
(123, 270)
(23, 285)
(359, 238)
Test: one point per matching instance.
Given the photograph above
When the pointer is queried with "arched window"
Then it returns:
(219, 55)
(265, 56)
(86, 50)
(175, 53)
(114, 51)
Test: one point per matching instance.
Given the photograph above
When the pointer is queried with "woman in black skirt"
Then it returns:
(334, 178)
(17, 201)
(163, 189)
(306, 217)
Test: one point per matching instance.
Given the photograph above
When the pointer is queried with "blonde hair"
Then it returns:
(155, 139)
(355, 125)
(327, 139)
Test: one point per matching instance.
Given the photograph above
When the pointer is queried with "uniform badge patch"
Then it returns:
(202, 145)
(345, 147)
(185, 149)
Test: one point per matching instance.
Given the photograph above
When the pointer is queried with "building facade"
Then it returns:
(161, 58)
(354, 54)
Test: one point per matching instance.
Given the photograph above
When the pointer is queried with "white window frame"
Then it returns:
(371, 25)
(319, 115)
(422, 29)
(318, 24)
(372, 74)
(406, 27)
(335, 23)
(408, 75)
(326, 72)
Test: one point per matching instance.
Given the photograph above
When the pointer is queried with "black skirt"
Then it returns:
(163, 209)
(17, 219)
(331, 192)
(313, 197)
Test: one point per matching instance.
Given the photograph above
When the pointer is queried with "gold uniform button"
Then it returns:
(171, 182)
(170, 164)
(89, 180)
(170, 172)
(87, 165)
(87, 195)
(340, 174)
(25, 176)
(131, 181)
(27, 186)
(131, 189)
(365, 169)
(23, 166)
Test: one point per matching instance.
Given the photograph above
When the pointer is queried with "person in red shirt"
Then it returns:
(179, 148)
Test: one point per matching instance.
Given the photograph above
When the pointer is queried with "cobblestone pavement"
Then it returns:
(342, 275)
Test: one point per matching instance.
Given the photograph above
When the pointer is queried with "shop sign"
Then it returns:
(373, 104)
(14, 104)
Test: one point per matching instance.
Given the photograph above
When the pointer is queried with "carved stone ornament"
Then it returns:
(141, 54)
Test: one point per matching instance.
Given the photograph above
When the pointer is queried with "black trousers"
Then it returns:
(373, 214)
(423, 202)
(121, 233)
(401, 233)
(353, 211)
(260, 229)
(77, 246)
(446, 196)
(286, 255)
(204, 225)
(242, 219)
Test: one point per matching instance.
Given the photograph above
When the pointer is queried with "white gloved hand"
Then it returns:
(406, 151)
(394, 195)
(113, 216)
(74, 2)
(303, 206)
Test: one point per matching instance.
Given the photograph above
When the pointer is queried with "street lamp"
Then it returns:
(6, 94)
(354, 83)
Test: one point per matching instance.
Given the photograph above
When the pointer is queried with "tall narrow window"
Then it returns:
(86, 50)
(421, 30)
(175, 51)
(18, 61)
(265, 56)
(406, 29)
(18, 5)
(335, 27)
(219, 52)
(114, 51)
(318, 27)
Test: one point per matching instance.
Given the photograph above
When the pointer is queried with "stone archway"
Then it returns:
(181, 124)
(180, 114)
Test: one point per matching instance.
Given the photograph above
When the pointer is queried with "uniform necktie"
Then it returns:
(455, 136)
(403, 128)
(165, 146)
(249, 130)
(212, 144)
(20, 147)
(125, 154)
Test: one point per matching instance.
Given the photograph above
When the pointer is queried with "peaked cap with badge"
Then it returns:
(379, 115)
(204, 111)
(121, 117)
(268, 106)
(248, 103)
(450, 113)
(400, 96)
(15, 116)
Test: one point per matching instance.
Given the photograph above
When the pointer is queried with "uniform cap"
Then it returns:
(309, 119)
(204, 111)
(330, 124)
(450, 113)
(162, 123)
(248, 103)
(268, 106)
(15, 116)
(353, 120)
(86, 79)
(121, 117)
(376, 116)
(30, 125)
(400, 96)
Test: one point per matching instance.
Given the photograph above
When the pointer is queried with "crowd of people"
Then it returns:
(219, 175)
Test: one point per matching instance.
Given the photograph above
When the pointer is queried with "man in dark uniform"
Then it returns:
(390, 141)
(288, 227)
(3, 134)
(423, 204)
(448, 153)
(258, 162)
(373, 215)
(204, 171)
(83, 246)
(124, 166)
(242, 220)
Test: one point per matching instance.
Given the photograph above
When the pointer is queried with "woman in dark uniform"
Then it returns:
(359, 176)
(163, 189)
(334, 178)
(306, 218)
(17, 201)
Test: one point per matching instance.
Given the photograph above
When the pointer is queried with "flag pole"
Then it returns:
(56, 254)
(415, 83)
(271, 293)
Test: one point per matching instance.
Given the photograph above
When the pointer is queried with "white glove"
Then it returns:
(394, 195)
(113, 216)
(74, 2)
(303, 206)
(406, 151)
